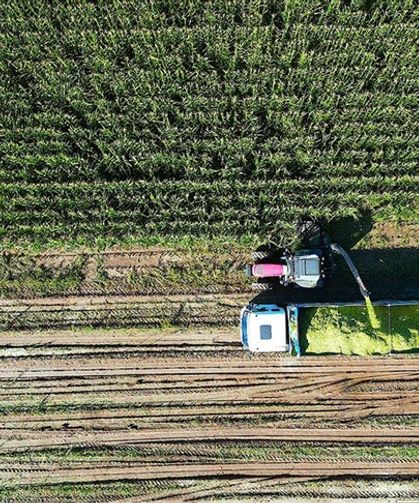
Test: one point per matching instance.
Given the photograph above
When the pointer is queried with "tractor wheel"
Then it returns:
(262, 287)
(260, 255)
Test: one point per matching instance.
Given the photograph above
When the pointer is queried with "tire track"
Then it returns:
(21, 442)
(27, 475)
(202, 416)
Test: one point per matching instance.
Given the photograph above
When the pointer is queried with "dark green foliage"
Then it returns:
(203, 117)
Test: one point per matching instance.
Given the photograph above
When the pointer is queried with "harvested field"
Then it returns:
(121, 311)
(182, 414)
(147, 271)
(146, 149)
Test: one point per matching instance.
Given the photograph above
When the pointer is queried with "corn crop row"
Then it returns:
(199, 209)
(204, 116)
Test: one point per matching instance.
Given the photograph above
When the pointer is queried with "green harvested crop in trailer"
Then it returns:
(347, 330)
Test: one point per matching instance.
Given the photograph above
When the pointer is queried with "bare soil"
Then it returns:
(391, 235)
(158, 405)
(73, 311)
(182, 413)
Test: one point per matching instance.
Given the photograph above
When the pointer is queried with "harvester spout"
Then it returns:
(338, 249)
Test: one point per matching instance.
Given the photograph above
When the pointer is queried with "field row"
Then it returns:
(283, 489)
(185, 414)
(121, 311)
(41, 440)
(26, 475)
(62, 168)
(183, 14)
(185, 208)
(387, 108)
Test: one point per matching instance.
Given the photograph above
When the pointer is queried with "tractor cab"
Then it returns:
(306, 268)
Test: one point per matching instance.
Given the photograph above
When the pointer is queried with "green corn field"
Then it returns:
(204, 118)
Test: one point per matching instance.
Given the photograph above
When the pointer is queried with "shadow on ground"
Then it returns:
(347, 232)
(389, 274)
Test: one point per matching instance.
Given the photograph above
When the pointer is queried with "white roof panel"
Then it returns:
(267, 331)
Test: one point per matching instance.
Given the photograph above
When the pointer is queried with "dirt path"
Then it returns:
(118, 311)
(31, 441)
(186, 414)
(58, 475)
